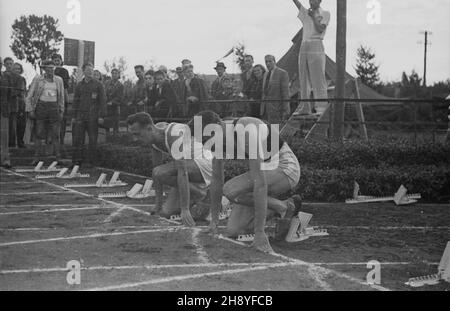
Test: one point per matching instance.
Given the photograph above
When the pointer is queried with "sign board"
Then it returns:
(72, 49)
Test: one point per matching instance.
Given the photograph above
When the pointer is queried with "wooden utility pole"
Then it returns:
(337, 124)
(425, 54)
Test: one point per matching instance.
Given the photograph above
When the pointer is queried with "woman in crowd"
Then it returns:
(256, 90)
(98, 76)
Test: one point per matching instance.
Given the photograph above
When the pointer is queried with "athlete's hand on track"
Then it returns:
(261, 243)
(186, 218)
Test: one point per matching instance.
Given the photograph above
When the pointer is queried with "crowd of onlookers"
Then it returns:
(54, 100)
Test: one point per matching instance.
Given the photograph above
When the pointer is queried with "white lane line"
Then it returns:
(57, 210)
(326, 271)
(136, 267)
(103, 227)
(17, 182)
(318, 275)
(190, 266)
(388, 228)
(35, 193)
(186, 277)
(60, 205)
(118, 205)
(97, 235)
(202, 254)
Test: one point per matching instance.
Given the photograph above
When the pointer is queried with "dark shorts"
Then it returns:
(47, 117)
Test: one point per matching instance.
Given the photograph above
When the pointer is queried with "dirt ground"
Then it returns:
(120, 246)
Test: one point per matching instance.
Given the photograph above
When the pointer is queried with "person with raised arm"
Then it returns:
(312, 58)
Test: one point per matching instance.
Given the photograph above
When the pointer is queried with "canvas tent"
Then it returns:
(289, 62)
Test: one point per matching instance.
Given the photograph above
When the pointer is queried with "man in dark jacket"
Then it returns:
(163, 98)
(89, 110)
(114, 96)
(61, 72)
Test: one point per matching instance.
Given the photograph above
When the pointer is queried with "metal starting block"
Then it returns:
(246, 238)
(251, 237)
(299, 230)
(62, 174)
(114, 182)
(175, 217)
(134, 193)
(434, 279)
(39, 168)
(400, 198)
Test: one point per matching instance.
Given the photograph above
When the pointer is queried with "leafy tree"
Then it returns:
(366, 69)
(411, 85)
(35, 38)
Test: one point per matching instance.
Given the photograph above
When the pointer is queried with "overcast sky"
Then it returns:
(166, 31)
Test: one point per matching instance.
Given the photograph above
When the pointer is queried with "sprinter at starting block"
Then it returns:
(188, 174)
(273, 171)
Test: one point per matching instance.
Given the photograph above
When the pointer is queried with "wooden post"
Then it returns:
(360, 114)
(341, 49)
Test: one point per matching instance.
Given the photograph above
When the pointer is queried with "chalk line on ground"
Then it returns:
(97, 235)
(34, 193)
(202, 254)
(84, 194)
(186, 277)
(136, 267)
(57, 210)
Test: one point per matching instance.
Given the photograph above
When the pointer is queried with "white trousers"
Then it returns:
(312, 60)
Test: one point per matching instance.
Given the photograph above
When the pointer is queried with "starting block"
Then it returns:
(299, 230)
(251, 237)
(39, 168)
(114, 182)
(442, 275)
(175, 217)
(400, 198)
(137, 192)
(246, 238)
(62, 174)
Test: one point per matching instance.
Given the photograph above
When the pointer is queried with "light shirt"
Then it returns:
(309, 30)
(50, 92)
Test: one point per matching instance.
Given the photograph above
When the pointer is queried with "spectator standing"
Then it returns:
(178, 85)
(61, 72)
(138, 101)
(226, 93)
(149, 86)
(216, 86)
(5, 91)
(255, 90)
(16, 89)
(312, 58)
(246, 75)
(21, 114)
(275, 88)
(90, 109)
(45, 101)
(163, 97)
(114, 96)
(195, 92)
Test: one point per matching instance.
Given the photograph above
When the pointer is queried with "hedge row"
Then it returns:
(351, 154)
(316, 184)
